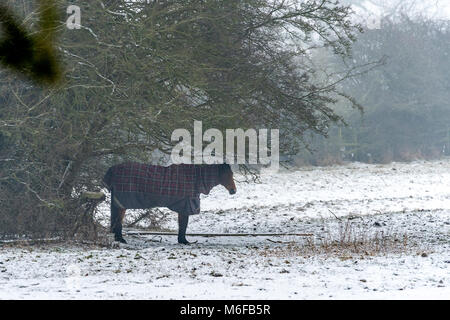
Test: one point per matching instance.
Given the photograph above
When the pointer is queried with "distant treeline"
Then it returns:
(406, 101)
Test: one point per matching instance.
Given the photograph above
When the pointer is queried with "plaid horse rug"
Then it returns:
(141, 186)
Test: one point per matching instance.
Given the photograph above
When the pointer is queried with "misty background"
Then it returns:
(405, 99)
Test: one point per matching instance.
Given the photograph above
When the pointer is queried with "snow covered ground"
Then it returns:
(380, 232)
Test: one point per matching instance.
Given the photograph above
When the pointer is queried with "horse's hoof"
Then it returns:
(184, 241)
(120, 239)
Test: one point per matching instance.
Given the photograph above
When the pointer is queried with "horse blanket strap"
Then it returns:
(178, 187)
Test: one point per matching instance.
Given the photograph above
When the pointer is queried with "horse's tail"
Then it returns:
(107, 179)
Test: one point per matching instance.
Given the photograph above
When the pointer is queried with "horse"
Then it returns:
(178, 187)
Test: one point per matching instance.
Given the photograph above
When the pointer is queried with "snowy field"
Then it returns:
(379, 232)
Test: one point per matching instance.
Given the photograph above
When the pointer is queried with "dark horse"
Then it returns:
(177, 187)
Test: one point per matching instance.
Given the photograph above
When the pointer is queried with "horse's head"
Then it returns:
(226, 178)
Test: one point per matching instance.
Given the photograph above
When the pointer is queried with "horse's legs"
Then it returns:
(117, 215)
(183, 220)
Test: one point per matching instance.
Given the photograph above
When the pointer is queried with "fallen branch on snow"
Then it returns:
(162, 233)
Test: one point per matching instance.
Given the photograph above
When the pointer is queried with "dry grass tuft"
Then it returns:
(348, 242)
